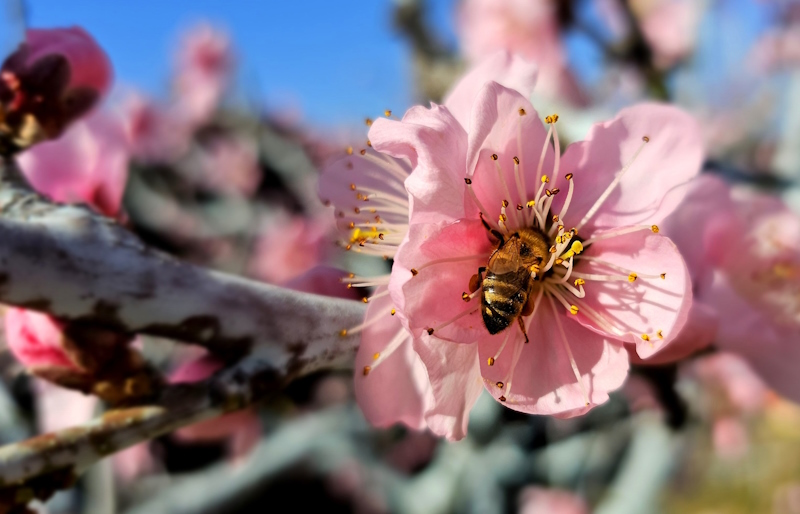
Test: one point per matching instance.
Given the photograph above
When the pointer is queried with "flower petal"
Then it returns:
(434, 295)
(543, 380)
(455, 381)
(646, 307)
(652, 187)
(397, 389)
(699, 332)
(498, 128)
(435, 145)
(508, 69)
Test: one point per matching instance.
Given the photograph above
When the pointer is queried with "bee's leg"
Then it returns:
(476, 280)
(492, 231)
(522, 327)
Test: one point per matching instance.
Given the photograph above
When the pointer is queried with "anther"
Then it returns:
(663, 276)
(429, 331)
(490, 361)
(555, 218)
(568, 176)
(363, 151)
(343, 332)
(519, 207)
(494, 157)
(645, 337)
(660, 334)
(579, 282)
(505, 203)
(387, 113)
(500, 385)
(352, 187)
(516, 160)
(393, 312)
(368, 122)
(548, 192)
(375, 356)
(552, 249)
(465, 296)
(555, 191)
(349, 286)
(369, 143)
(632, 277)
(367, 369)
(349, 150)
(559, 261)
(414, 272)
(545, 179)
(530, 204)
(573, 309)
(380, 236)
(351, 225)
(468, 181)
(522, 112)
(502, 398)
(357, 210)
(646, 139)
(348, 247)
(655, 229)
(503, 218)
(365, 300)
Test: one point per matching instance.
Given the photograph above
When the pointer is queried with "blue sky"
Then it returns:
(337, 61)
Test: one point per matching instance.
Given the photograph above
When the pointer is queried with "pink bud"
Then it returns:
(52, 79)
(36, 340)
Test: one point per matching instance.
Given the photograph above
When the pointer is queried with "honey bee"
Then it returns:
(509, 281)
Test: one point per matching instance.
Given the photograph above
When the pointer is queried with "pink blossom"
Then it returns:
(669, 26)
(156, 132)
(588, 218)
(204, 67)
(230, 165)
(241, 430)
(529, 29)
(88, 164)
(37, 341)
(56, 76)
(289, 246)
(540, 500)
(730, 439)
(755, 288)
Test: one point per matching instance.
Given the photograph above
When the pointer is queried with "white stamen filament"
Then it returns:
(451, 259)
(617, 233)
(481, 208)
(387, 163)
(506, 191)
(393, 345)
(453, 319)
(572, 362)
(565, 207)
(611, 187)
(618, 268)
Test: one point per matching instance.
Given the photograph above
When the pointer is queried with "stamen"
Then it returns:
(626, 271)
(610, 189)
(491, 360)
(481, 208)
(565, 207)
(503, 182)
(452, 320)
(572, 362)
(358, 328)
(414, 271)
(393, 345)
(616, 233)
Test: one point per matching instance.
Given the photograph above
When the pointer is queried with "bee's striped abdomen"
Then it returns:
(503, 298)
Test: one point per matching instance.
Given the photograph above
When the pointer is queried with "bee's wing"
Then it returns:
(505, 259)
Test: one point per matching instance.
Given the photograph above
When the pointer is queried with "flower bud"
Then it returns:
(52, 79)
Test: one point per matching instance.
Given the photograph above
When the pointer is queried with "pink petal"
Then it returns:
(498, 128)
(455, 382)
(510, 70)
(543, 380)
(651, 188)
(646, 306)
(36, 340)
(433, 296)
(323, 280)
(699, 332)
(770, 348)
(396, 390)
(435, 145)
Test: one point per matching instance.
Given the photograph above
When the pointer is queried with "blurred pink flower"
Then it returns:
(203, 72)
(290, 246)
(324, 280)
(88, 164)
(56, 75)
(37, 341)
(530, 29)
(755, 287)
(777, 49)
(730, 438)
(155, 131)
(626, 176)
(241, 429)
(670, 27)
(230, 165)
(540, 500)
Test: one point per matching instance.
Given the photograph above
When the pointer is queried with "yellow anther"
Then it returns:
(369, 143)
(349, 150)
(490, 361)
(465, 296)
(393, 312)
(519, 207)
(645, 337)
(367, 369)
(559, 261)
(568, 176)
(545, 179)
(352, 187)
(646, 139)
(368, 122)
(575, 249)
(516, 160)
(414, 272)
(534, 268)
(522, 112)
(500, 385)
(632, 277)
(343, 332)
(365, 300)
(494, 157)
(573, 309)
(375, 356)
(530, 204)
(579, 282)
(505, 203)
(363, 151)
(503, 218)
(660, 334)
(387, 113)
(663, 276)
(655, 229)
